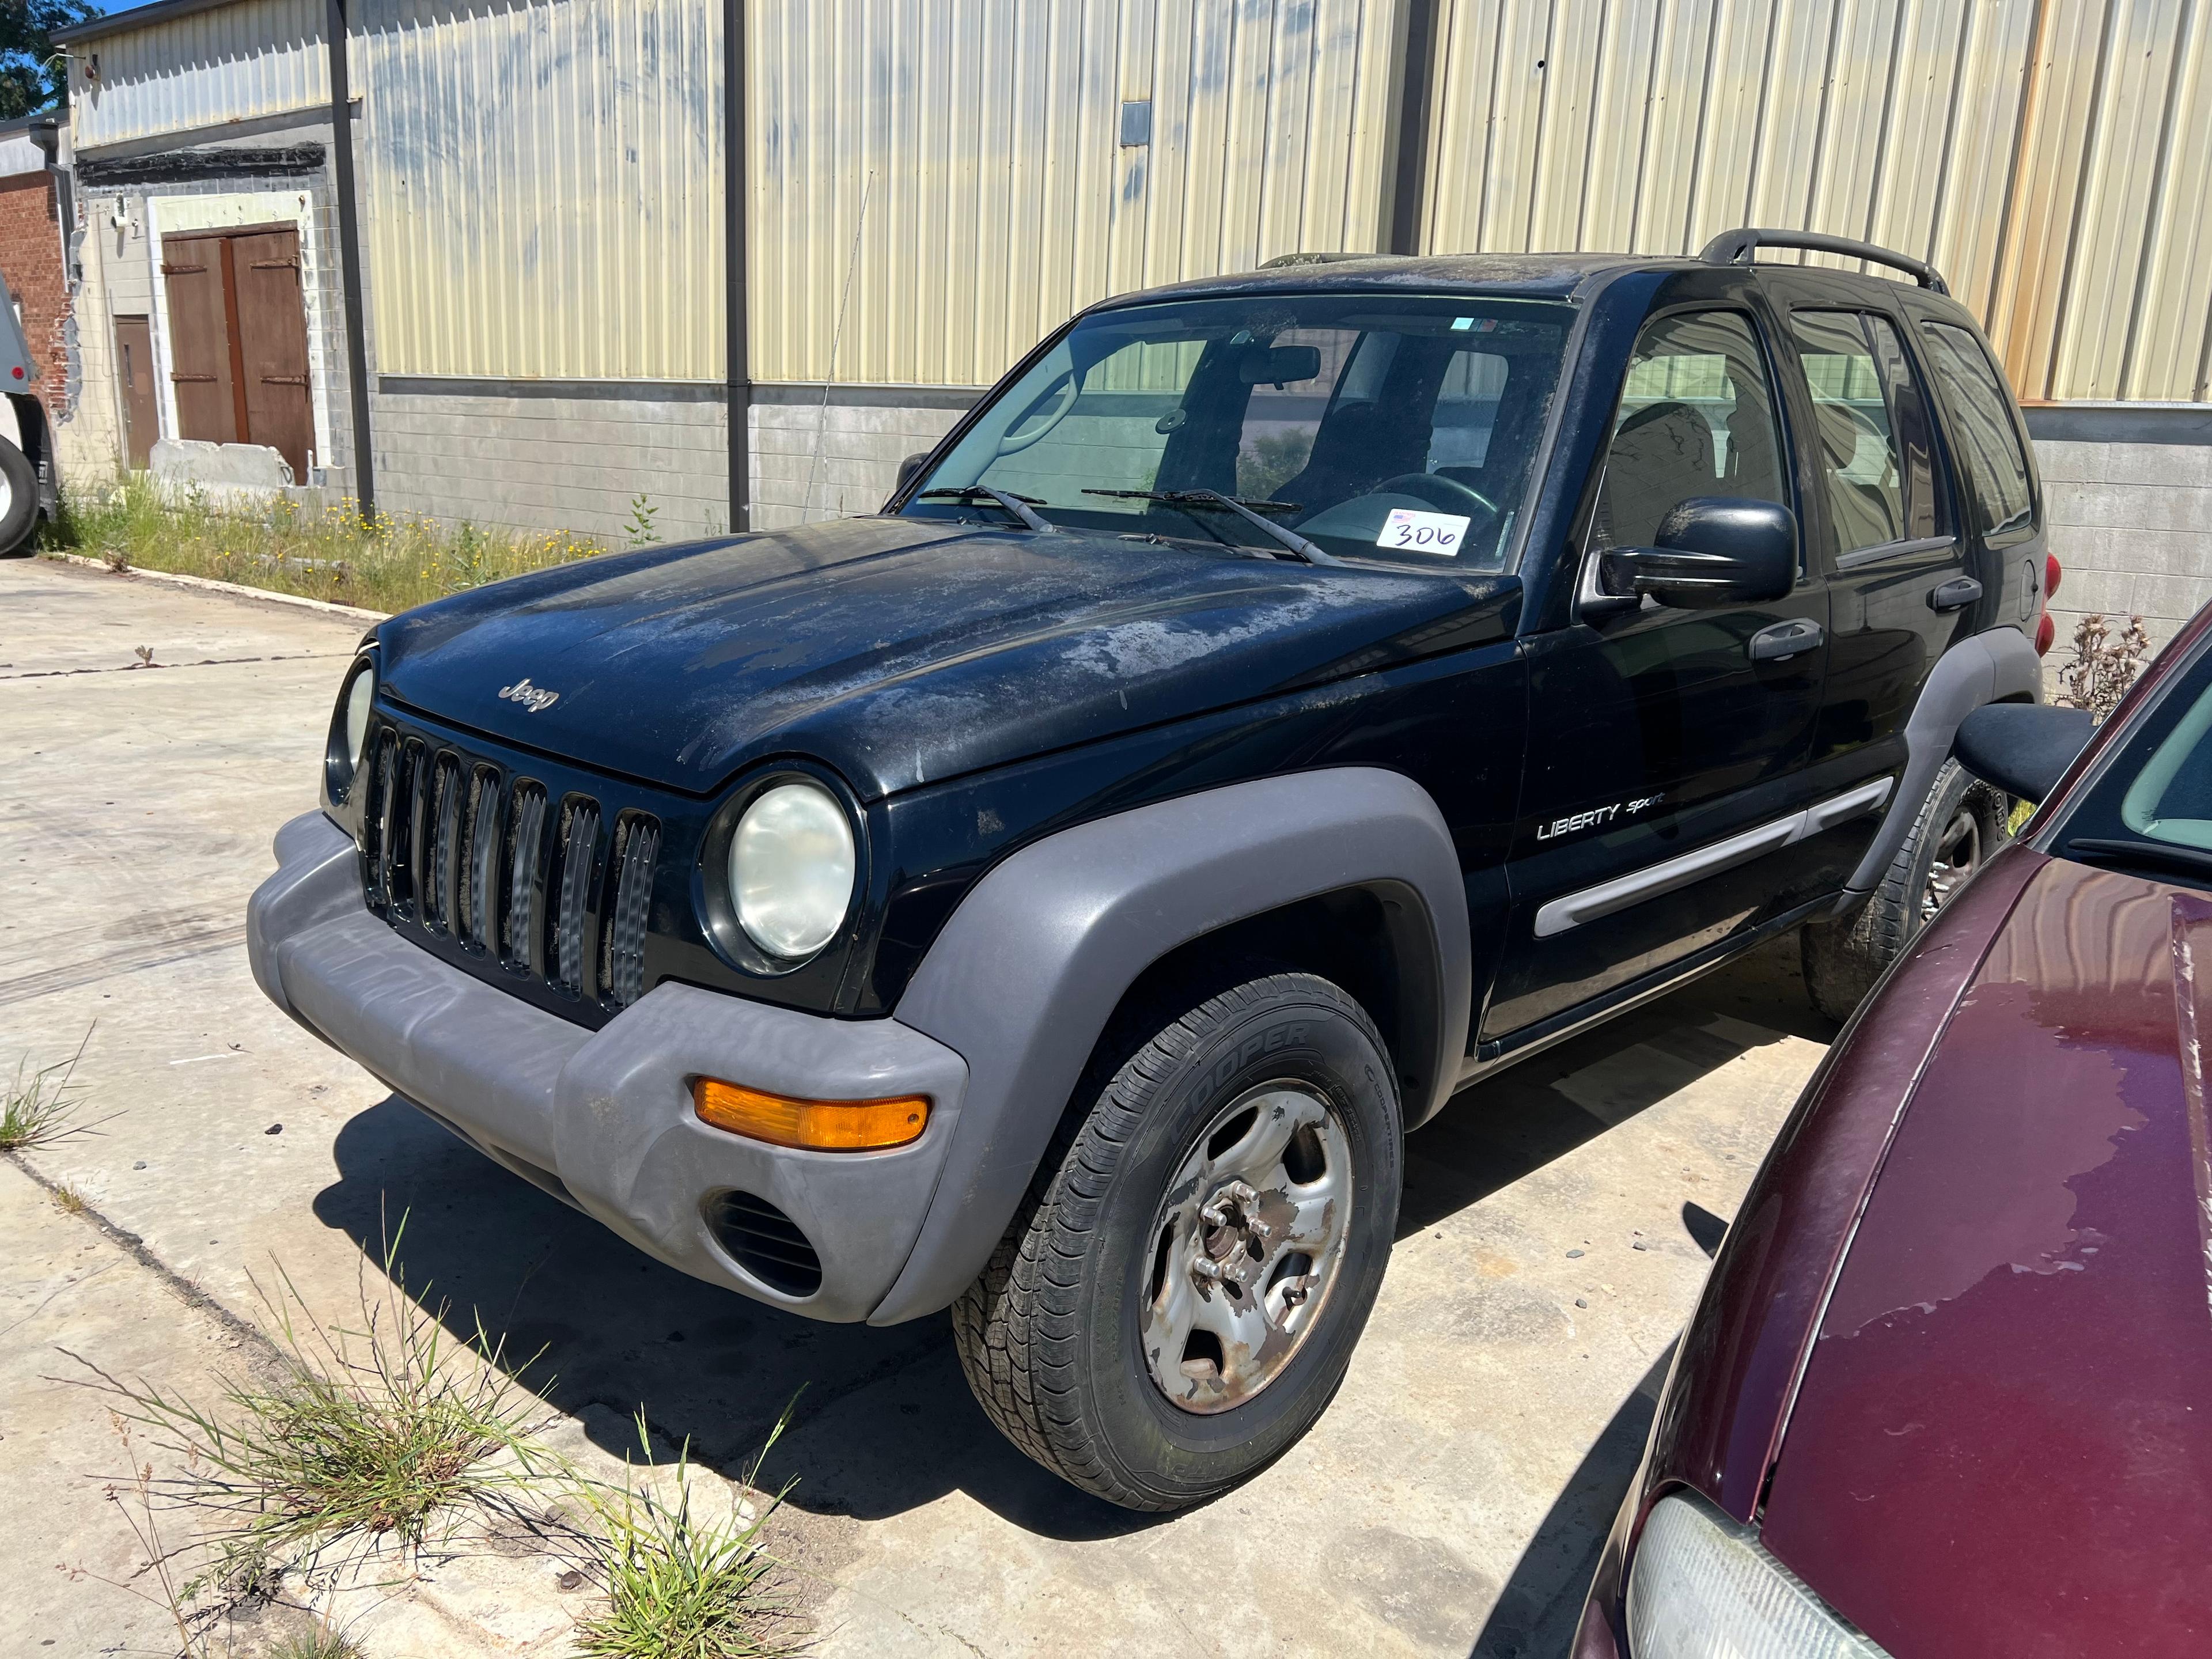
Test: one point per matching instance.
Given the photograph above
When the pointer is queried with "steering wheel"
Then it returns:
(1013, 445)
(1448, 495)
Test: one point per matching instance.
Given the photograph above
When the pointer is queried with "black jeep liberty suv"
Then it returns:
(1286, 698)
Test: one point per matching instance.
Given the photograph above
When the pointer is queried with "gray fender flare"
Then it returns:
(1023, 977)
(1994, 667)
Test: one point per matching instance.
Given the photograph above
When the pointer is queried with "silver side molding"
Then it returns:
(1572, 910)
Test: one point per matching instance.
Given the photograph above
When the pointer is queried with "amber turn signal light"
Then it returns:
(820, 1126)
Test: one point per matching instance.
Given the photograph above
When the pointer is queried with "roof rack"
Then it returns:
(1735, 247)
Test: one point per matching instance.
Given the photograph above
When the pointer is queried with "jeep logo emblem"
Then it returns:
(528, 695)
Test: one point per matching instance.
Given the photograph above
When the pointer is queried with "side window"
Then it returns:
(1697, 418)
(1863, 463)
(1926, 510)
(1983, 434)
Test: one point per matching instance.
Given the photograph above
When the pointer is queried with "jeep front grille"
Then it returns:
(457, 850)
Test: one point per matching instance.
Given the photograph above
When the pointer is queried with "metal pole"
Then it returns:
(1414, 87)
(737, 349)
(364, 468)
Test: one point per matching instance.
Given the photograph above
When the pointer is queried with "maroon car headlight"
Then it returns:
(1701, 1587)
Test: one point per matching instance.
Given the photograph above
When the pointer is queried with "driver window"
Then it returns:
(1697, 418)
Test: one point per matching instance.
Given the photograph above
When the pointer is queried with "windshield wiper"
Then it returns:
(1019, 506)
(1290, 538)
(2097, 850)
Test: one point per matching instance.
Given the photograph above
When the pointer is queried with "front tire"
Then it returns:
(19, 500)
(1233, 1186)
(1960, 826)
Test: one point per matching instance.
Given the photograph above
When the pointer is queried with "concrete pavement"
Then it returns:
(1451, 1501)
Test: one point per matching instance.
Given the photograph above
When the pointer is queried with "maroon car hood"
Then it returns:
(2004, 1442)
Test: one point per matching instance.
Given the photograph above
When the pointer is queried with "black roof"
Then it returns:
(1536, 275)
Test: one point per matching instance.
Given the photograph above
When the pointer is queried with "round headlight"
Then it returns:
(791, 869)
(350, 733)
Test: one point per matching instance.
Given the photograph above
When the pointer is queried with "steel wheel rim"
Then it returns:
(1246, 1247)
(1957, 855)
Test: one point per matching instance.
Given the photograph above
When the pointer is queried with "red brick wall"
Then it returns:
(31, 259)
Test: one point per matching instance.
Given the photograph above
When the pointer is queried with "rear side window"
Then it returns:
(1874, 449)
(1982, 430)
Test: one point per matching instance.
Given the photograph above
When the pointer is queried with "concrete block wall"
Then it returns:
(573, 457)
(513, 458)
(2128, 499)
(816, 459)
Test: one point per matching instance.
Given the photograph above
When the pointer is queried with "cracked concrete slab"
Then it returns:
(1452, 1499)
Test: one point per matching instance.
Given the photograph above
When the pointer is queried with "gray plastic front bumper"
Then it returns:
(604, 1118)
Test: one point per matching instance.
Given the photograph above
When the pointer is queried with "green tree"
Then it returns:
(32, 74)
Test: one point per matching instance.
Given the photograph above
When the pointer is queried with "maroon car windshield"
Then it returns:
(2147, 808)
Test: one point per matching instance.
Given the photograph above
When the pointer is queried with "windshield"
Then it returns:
(2152, 805)
(1375, 428)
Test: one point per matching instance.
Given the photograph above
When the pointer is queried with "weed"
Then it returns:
(381, 560)
(323, 1642)
(40, 1105)
(388, 1434)
(69, 1200)
(2104, 665)
(678, 1586)
(640, 528)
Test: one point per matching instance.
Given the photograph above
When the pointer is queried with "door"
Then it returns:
(134, 362)
(1666, 746)
(1898, 576)
(200, 338)
(238, 345)
(272, 334)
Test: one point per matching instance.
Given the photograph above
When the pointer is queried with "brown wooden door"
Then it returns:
(200, 338)
(272, 335)
(134, 362)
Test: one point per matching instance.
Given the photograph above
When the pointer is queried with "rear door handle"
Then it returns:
(1956, 594)
(1784, 640)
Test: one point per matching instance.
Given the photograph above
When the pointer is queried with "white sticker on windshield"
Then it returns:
(1423, 532)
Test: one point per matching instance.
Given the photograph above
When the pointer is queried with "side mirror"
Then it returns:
(2020, 747)
(907, 468)
(1711, 550)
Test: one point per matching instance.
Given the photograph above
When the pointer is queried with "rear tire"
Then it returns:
(1959, 825)
(1065, 1338)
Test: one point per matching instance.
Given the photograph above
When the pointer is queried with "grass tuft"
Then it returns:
(321, 1642)
(40, 1106)
(387, 1434)
(679, 1586)
(69, 1200)
(380, 560)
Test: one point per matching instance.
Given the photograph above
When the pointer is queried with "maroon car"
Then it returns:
(1949, 1389)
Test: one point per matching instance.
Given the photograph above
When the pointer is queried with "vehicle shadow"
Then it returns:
(1537, 1611)
(882, 1420)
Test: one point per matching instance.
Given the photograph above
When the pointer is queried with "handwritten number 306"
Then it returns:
(1426, 536)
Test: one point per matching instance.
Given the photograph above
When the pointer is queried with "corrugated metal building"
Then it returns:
(930, 184)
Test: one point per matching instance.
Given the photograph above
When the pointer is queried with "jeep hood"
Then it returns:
(901, 650)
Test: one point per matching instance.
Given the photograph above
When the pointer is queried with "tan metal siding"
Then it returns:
(542, 185)
(2052, 157)
(999, 199)
(233, 63)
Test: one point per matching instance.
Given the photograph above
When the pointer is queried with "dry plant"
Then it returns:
(41, 1106)
(2104, 664)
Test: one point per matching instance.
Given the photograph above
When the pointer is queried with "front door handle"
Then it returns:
(1956, 594)
(1784, 640)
